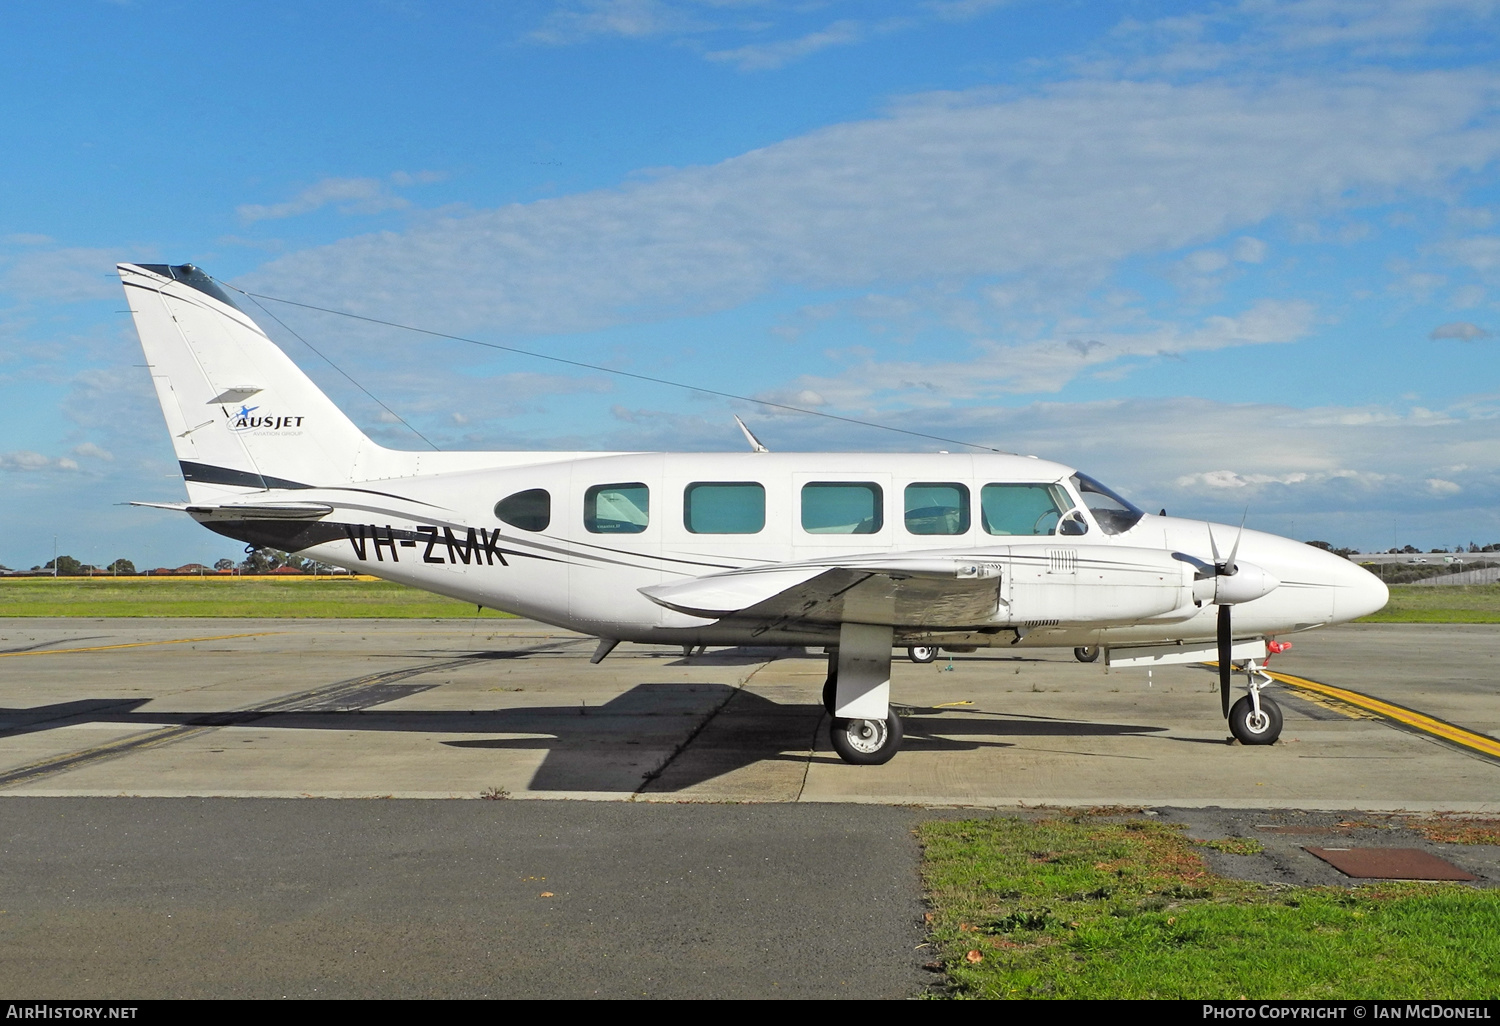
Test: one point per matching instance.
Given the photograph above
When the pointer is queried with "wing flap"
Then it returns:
(914, 593)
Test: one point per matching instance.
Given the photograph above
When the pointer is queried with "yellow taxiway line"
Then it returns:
(1410, 717)
(137, 644)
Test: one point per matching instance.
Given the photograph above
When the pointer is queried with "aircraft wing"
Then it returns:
(901, 592)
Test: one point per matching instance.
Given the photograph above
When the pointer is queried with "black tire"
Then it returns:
(922, 653)
(866, 742)
(1086, 653)
(830, 691)
(1246, 730)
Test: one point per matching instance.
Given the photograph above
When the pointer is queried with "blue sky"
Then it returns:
(1224, 256)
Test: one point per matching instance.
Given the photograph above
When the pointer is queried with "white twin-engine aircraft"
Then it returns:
(858, 553)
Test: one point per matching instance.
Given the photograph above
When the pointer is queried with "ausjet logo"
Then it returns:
(246, 419)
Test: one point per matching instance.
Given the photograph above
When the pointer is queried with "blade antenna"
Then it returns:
(755, 443)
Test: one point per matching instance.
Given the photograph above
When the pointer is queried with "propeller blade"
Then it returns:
(1229, 567)
(1213, 547)
(1225, 641)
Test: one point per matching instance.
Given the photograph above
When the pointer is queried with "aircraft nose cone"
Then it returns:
(1358, 593)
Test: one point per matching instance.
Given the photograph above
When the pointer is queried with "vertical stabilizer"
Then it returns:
(241, 414)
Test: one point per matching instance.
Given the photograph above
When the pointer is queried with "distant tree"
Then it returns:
(262, 561)
(224, 564)
(1321, 545)
(1437, 550)
(121, 566)
(1410, 549)
(67, 566)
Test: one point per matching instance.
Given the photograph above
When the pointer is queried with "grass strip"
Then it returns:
(1072, 907)
(1457, 603)
(310, 597)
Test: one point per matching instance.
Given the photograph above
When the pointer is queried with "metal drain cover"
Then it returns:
(1390, 864)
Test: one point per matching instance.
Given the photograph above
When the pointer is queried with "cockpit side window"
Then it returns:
(1113, 514)
(617, 508)
(1022, 509)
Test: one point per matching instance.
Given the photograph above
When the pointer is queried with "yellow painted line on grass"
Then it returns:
(1410, 717)
(137, 644)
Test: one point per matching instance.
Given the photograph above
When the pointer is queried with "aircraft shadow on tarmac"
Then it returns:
(667, 736)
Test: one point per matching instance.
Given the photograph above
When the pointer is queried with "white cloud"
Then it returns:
(88, 450)
(768, 56)
(633, 19)
(1249, 251)
(994, 368)
(1437, 486)
(1461, 330)
(68, 275)
(1070, 180)
(1230, 479)
(348, 195)
(25, 460)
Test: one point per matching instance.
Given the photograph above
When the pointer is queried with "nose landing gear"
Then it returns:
(1255, 719)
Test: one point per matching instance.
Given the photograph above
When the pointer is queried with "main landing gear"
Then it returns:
(866, 742)
(863, 728)
(1086, 653)
(1255, 719)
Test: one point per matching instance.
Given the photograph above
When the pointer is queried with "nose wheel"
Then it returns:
(1255, 719)
(1252, 726)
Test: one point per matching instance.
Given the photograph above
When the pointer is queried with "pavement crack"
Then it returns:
(651, 776)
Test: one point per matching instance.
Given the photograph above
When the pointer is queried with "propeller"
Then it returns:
(1222, 569)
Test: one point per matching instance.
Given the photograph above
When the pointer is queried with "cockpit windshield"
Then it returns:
(1114, 514)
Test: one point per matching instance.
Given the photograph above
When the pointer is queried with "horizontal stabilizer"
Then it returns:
(247, 510)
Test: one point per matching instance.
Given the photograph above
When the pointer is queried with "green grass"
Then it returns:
(1078, 908)
(224, 596)
(1458, 603)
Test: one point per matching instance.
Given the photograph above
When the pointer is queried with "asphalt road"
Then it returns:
(265, 898)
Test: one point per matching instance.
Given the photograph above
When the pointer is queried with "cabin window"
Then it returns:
(937, 508)
(1022, 509)
(842, 507)
(530, 510)
(617, 508)
(727, 507)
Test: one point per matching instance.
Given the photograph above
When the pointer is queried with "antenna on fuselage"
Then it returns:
(756, 445)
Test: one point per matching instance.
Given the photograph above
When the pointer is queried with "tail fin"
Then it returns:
(241, 414)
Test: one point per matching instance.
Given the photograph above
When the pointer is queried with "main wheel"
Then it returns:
(1250, 729)
(922, 653)
(1086, 653)
(830, 691)
(866, 742)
